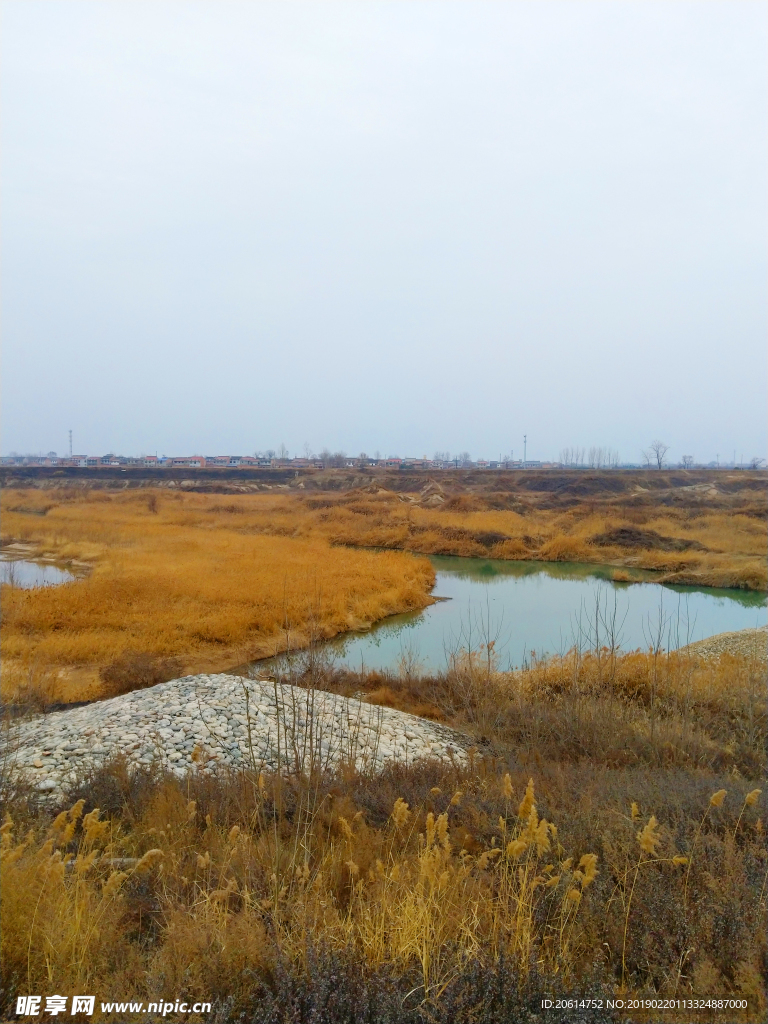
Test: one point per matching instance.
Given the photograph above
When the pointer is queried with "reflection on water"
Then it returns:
(545, 607)
(21, 573)
(488, 570)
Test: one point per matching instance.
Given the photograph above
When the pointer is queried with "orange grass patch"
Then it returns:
(186, 581)
(707, 546)
(732, 551)
(717, 548)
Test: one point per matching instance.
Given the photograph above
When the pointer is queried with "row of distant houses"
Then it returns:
(255, 461)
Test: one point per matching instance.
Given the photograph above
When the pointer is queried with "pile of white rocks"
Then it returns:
(751, 643)
(207, 721)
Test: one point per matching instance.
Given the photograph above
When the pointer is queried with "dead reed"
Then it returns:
(549, 853)
(714, 546)
(203, 887)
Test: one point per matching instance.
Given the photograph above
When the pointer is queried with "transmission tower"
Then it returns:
(70, 444)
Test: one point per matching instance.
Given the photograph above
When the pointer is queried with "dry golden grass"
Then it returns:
(732, 547)
(424, 881)
(398, 893)
(617, 709)
(612, 830)
(201, 889)
(217, 579)
(185, 581)
(710, 546)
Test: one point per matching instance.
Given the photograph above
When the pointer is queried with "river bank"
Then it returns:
(219, 581)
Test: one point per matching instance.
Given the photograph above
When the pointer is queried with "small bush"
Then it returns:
(136, 671)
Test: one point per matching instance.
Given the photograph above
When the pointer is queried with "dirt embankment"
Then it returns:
(564, 488)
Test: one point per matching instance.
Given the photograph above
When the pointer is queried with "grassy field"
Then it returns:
(700, 527)
(709, 546)
(212, 579)
(607, 840)
(178, 577)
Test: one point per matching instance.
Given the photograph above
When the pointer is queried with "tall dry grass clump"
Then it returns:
(662, 708)
(607, 833)
(213, 887)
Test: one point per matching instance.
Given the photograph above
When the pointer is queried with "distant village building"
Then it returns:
(271, 461)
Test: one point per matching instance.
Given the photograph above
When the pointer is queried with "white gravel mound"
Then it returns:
(211, 720)
(751, 643)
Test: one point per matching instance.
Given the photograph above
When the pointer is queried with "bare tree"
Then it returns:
(336, 460)
(687, 462)
(655, 454)
(597, 457)
(756, 463)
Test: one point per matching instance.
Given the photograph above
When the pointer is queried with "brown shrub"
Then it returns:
(135, 671)
(632, 537)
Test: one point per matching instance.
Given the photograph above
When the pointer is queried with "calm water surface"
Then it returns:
(32, 574)
(545, 607)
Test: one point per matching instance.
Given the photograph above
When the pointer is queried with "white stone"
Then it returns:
(314, 728)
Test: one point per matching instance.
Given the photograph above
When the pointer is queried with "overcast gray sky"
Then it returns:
(395, 226)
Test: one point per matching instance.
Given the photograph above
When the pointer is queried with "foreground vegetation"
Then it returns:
(606, 838)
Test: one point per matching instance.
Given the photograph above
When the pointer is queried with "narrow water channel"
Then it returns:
(545, 607)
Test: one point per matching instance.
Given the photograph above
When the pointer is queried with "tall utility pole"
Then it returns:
(525, 450)
(70, 444)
